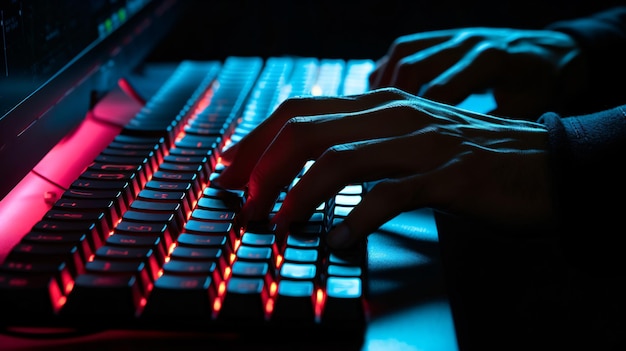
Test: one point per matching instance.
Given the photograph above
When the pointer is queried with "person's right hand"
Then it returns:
(419, 153)
(528, 71)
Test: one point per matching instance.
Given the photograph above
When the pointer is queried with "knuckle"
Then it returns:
(336, 155)
(489, 51)
(402, 109)
(390, 94)
(292, 105)
(471, 35)
(296, 127)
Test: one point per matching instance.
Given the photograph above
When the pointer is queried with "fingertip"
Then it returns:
(227, 155)
(227, 181)
(375, 76)
(340, 237)
(281, 226)
(244, 217)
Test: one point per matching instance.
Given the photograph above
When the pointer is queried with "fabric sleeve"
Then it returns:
(602, 38)
(588, 155)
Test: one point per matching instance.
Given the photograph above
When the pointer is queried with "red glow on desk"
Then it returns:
(269, 307)
(320, 297)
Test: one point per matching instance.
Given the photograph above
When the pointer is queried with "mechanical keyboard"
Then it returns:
(143, 240)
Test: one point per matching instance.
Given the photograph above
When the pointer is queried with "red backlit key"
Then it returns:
(187, 239)
(244, 301)
(199, 170)
(140, 241)
(178, 267)
(29, 296)
(115, 195)
(128, 142)
(190, 296)
(204, 227)
(128, 177)
(105, 185)
(169, 176)
(98, 295)
(59, 271)
(139, 171)
(212, 215)
(131, 254)
(143, 161)
(174, 186)
(178, 197)
(35, 252)
(233, 198)
(161, 230)
(213, 254)
(187, 159)
(63, 227)
(84, 218)
(212, 203)
(197, 142)
(85, 246)
(90, 205)
(113, 268)
(149, 154)
(161, 207)
(154, 217)
(294, 302)
(344, 301)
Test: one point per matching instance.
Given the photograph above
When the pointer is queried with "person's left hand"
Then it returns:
(527, 71)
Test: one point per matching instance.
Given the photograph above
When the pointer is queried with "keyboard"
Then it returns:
(143, 240)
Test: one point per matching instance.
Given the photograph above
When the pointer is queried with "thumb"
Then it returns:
(387, 199)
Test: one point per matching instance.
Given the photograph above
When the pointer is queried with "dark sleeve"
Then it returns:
(588, 155)
(602, 38)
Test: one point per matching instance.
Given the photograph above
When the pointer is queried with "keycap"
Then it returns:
(181, 296)
(29, 296)
(294, 302)
(344, 301)
(244, 301)
(98, 295)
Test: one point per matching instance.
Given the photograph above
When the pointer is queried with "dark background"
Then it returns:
(343, 29)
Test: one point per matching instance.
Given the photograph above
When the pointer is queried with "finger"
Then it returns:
(244, 156)
(405, 46)
(476, 71)
(306, 138)
(414, 71)
(389, 198)
(384, 202)
(374, 76)
(359, 162)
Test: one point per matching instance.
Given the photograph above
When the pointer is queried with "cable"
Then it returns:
(128, 88)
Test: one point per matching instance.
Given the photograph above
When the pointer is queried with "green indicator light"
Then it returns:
(122, 15)
(108, 24)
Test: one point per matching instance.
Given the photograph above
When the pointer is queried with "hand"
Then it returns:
(420, 153)
(528, 71)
